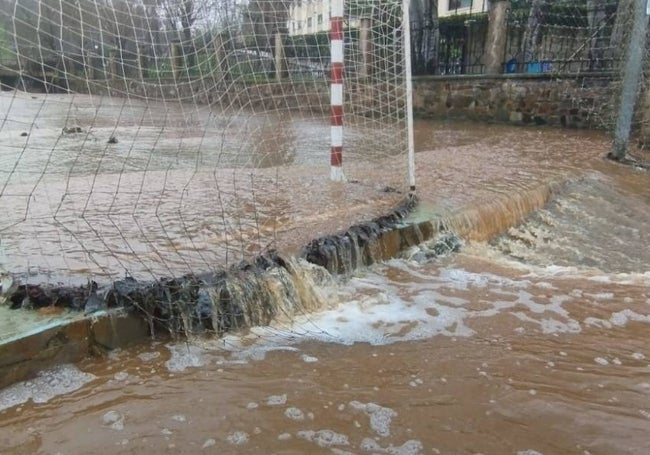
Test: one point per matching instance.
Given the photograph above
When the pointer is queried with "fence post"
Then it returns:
(90, 65)
(177, 59)
(221, 66)
(142, 63)
(632, 69)
(495, 43)
(280, 60)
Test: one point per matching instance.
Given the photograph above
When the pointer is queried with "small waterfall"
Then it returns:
(487, 220)
(273, 287)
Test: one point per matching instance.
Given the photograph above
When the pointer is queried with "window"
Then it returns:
(319, 19)
(309, 22)
(456, 4)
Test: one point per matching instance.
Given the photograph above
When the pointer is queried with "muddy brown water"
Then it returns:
(535, 342)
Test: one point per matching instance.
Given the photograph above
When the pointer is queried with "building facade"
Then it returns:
(307, 17)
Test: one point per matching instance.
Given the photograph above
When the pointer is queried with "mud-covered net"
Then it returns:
(161, 138)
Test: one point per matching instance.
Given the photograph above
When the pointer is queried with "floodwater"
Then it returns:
(184, 190)
(531, 342)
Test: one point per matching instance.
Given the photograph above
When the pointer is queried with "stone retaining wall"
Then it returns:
(583, 101)
(542, 99)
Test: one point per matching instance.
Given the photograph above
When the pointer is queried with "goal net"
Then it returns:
(155, 138)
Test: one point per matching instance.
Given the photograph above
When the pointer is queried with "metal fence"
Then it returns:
(546, 36)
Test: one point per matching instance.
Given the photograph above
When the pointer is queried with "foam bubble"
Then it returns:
(113, 420)
(148, 356)
(121, 376)
(601, 361)
(529, 452)
(308, 359)
(294, 414)
(185, 356)
(45, 386)
(209, 443)
(324, 438)
(411, 447)
(621, 318)
(380, 417)
(238, 438)
(276, 400)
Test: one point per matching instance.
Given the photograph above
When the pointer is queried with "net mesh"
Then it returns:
(169, 137)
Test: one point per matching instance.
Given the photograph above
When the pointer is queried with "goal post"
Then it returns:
(337, 71)
(179, 136)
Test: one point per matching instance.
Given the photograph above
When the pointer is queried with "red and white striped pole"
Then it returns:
(336, 90)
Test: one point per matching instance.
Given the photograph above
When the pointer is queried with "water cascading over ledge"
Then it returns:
(270, 288)
(273, 286)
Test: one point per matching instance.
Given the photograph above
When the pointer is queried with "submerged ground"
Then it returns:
(531, 342)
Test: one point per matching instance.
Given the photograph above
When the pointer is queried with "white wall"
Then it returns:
(466, 7)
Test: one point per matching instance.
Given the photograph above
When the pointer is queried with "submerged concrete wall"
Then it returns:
(536, 99)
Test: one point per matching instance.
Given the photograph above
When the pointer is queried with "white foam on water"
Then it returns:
(46, 385)
(411, 447)
(113, 420)
(209, 443)
(597, 322)
(324, 438)
(601, 361)
(621, 318)
(148, 356)
(276, 400)
(121, 376)
(185, 355)
(337, 451)
(294, 414)
(529, 452)
(550, 325)
(638, 356)
(380, 417)
(375, 309)
(601, 296)
(238, 438)
(258, 352)
(284, 437)
(463, 280)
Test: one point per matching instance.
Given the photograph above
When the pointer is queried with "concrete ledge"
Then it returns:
(22, 356)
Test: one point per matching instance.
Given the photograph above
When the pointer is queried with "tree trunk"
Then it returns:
(496, 36)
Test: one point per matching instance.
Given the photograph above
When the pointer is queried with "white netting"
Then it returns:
(164, 137)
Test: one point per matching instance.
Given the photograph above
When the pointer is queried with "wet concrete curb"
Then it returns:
(249, 294)
(23, 356)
